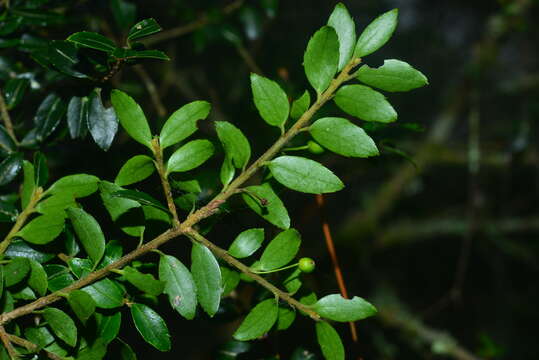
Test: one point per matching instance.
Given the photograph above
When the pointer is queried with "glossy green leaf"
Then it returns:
(179, 286)
(304, 175)
(345, 27)
(7, 145)
(15, 271)
(89, 233)
(113, 252)
(124, 351)
(58, 276)
(281, 250)
(19, 248)
(38, 278)
(40, 336)
(246, 243)
(10, 167)
(141, 197)
(285, 318)
(190, 186)
(292, 282)
(136, 169)
(335, 307)
(80, 267)
(14, 91)
(82, 304)
(61, 324)
(394, 75)
(342, 137)
(77, 116)
(120, 209)
(28, 185)
(265, 202)
(207, 277)
(227, 171)
(129, 54)
(96, 351)
(92, 40)
(56, 204)
(23, 293)
(108, 326)
(377, 33)
(41, 171)
(321, 58)
(63, 55)
(143, 28)
(102, 122)
(151, 326)
(43, 229)
(131, 117)
(230, 280)
(259, 321)
(234, 142)
(48, 116)
(143, 282)
(79, 185)
(329, 341)
(106, 294)
(300, 105)
(190, 156)
(183, 123)
(270, 100)
(365, 103)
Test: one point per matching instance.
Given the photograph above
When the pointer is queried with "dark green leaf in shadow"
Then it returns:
(102, 122)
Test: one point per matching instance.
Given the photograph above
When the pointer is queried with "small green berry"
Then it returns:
(306, 265)
(315, 148)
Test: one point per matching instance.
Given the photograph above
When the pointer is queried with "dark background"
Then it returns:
(440, 232)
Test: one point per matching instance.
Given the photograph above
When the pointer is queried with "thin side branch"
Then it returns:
(4, 336)
(7, 119)
(162, 171)
(152, 89)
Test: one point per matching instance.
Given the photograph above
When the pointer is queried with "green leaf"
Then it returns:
(129, 54)
(80, 267)
(10, 167)
(365, 103)
(227, 172)
(102, 122)
(207, 277)
(270, 100)
(300, 105)
(108, 326)
(124, 350)
(143, 282)
(281, 250)
(342, 137)
(230, 280)
(377, 33)
(14, 91)
(7, 145)
(89, 233)
(304, 175)
(335, 307)
(41, 169)
(113, 252)
(394, 75)
(321, 58)
(179, 286)
(82, 304)
(131, 117)
(292, 282)
(79, 185)
(40, 336)
(141, 197)
(19, 248)
(258, 322)
(58, 276)
(151, 326)
(28, 185)
(190, 156)
(183, 123)
(234, 142)
(246, 243)
(136, 169)
(265, 202)
(106, 294)
(61, 324)
(329, 341)
(38, 277)
(345, 27)
(92, 40)
(77, 116)
(56, 204)
(285, 317)
(63, 55)
(48, 116)
(120, 209)
(143, 28)
(97, 351)
(43, 229)
(16, 271)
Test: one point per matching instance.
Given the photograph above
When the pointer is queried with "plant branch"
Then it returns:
(160, 165)
(21, 219)
(6, 118)
(30, 346)
(4, 336)
(223, 254)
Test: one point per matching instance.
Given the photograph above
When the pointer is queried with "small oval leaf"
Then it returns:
(394, 75)
(234, 142)
(246, 243)
(43, 229)
(335, 307)
(258, 321)
(89, 233)
(265, 202)
(151, 326)
(82, 304)
(321, 58)
(270, 100)
(106, 294)
(207, 277)
(330, 341)
(62, 325)
(365, 103)
(179, 286)
(131, 117)
(281, 250)
(183, 123)
(190, 156)
(377, 33)
(345, 27)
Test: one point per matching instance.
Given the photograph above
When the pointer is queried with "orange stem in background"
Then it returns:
(334, 259)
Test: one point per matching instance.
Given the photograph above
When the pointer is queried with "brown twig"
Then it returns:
(4, 336)
(30, 346)
(7, 119)
(202, 21)
(334, 259)
(162, 171)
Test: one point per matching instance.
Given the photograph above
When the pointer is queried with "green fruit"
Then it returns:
(314, 147)
(306, 265)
